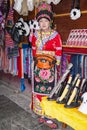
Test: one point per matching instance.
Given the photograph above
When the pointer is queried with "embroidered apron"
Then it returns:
(43, 78)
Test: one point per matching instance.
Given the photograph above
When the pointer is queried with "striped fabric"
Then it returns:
(8, 40)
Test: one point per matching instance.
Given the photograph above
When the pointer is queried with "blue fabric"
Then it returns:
(24, 59)
(30, 57)
(76, 60)
(22, 87)
(25, 45)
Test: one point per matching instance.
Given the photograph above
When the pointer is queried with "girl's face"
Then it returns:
(44, 24)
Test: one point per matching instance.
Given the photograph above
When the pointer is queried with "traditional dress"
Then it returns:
(47, 51)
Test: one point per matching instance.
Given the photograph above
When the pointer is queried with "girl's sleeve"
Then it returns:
(58, 51)
(30, 37)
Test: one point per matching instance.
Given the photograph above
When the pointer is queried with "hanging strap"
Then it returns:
(75, 4)
(72, 4)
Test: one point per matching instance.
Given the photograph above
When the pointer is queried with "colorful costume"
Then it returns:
(47, 51)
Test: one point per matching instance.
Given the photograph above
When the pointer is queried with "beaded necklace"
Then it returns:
(45, 36)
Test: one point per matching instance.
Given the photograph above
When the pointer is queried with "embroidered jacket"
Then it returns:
(47, 41)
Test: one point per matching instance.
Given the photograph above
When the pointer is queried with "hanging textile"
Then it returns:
(21, 69)
(9, 23)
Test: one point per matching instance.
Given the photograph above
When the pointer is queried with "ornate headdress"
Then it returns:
(44, 11)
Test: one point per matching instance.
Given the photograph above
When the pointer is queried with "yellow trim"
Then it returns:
(69, 46)
(67, 14)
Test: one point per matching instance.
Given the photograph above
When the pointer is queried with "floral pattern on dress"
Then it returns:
(44, 80)
(44, 75)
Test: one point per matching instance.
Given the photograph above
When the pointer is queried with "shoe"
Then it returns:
(41, 120)
(50, 123)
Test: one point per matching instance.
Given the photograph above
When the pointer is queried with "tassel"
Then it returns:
(22, 87)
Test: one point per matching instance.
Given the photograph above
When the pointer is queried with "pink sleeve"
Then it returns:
(30, 38)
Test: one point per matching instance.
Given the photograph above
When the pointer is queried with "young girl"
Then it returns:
(47, 51)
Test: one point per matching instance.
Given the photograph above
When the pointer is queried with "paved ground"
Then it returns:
(24, 118)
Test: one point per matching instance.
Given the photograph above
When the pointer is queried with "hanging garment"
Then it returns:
(4, 7)
(30, 59)
(24, 8)
(9, 23)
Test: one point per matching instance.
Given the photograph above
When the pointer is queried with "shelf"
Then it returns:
(74, 49)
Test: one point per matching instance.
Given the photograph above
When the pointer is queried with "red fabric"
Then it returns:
(75, 50)
(20, 64)
(50, 45)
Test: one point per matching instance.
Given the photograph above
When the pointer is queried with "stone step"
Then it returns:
(20, 98)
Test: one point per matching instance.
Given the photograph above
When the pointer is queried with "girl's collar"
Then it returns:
(47, 32)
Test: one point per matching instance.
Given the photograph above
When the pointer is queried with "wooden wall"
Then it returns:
(62, 18)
